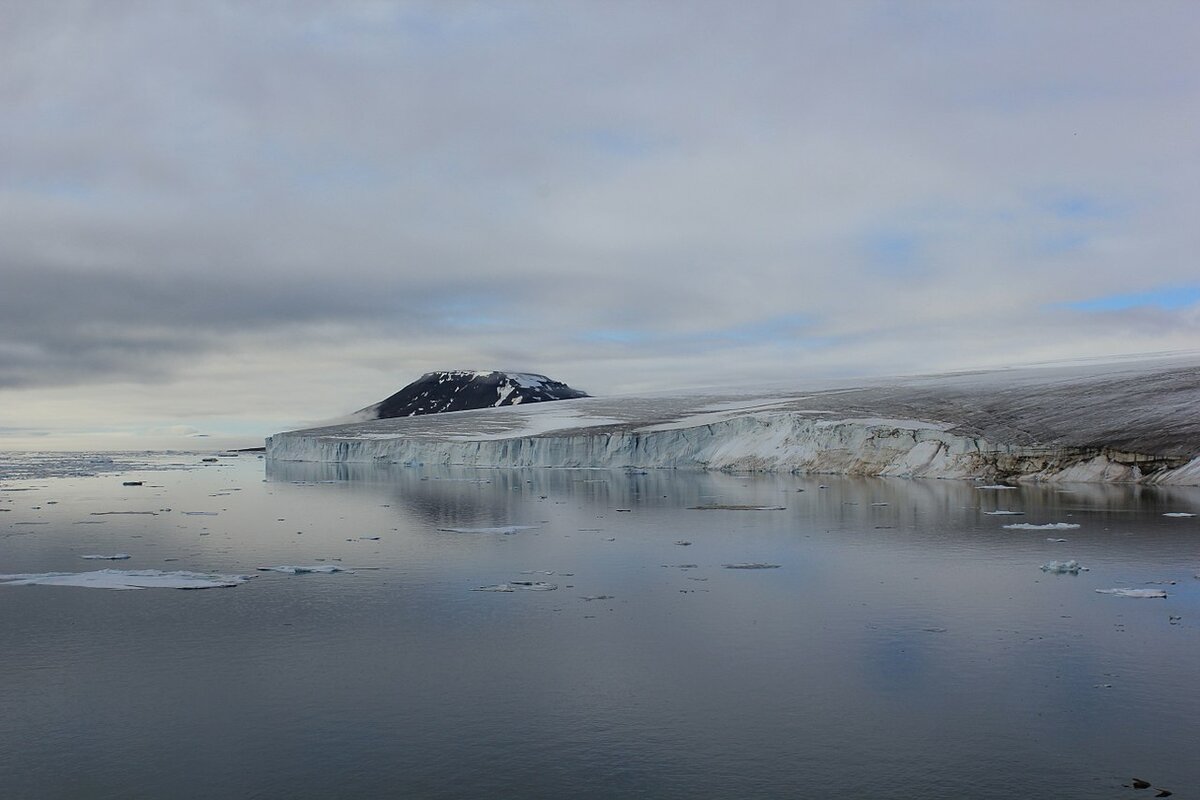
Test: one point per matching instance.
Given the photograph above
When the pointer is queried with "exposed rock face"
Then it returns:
(1122, 422)
(461, 390)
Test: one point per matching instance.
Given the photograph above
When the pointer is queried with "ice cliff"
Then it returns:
(1113, 422)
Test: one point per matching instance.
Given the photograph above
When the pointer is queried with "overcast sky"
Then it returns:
(234, 218)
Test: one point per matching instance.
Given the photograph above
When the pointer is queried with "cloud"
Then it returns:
(322, 201)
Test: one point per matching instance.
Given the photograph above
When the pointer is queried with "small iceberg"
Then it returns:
(502, 529)
(751, 566)
(1144, 593)
(1071, 567)
(294, 570)
(996, 487)
(1049, 526)
(518, 586)
(1178, 514)
(127, 579)
(113, 557)
(1004, 513)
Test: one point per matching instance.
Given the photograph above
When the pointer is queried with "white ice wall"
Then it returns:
(762, 441)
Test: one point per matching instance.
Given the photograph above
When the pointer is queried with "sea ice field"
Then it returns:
(239, 628)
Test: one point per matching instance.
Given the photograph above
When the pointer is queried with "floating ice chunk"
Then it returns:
(518, 586)
(1049, 526)
(996, 487)
(1178, 514)
(751, 566)
(1149, 593)
(1071, 567)
(1004, 513)
(127, 579)
(200, 513)
(590, 597)
(113, 557)
(1056, 541)
(502, 529)
(294, 570)
(729, 507)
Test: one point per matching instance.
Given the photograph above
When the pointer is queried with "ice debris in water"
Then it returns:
(127, 579)
(996, 487)
(1071, 567)
(1148, 593)
(1004, 513)
(1050, 526)
(734, 507)
(751, 566)
(518, 586)
(1178, 514)
(504, 529)
(113, 557)
(1057, 541)
(294, 570)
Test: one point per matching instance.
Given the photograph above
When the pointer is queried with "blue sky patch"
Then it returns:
(1169, 299)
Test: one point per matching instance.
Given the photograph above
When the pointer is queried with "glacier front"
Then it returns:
(1124, 421)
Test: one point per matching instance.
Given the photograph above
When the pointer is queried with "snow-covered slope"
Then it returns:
(462, 390)
(1113, 422)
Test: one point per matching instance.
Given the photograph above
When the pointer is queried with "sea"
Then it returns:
(432, 632)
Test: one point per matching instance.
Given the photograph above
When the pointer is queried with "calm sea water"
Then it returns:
(905, 645)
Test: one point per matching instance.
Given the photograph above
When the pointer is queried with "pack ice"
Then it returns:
(1124, 421)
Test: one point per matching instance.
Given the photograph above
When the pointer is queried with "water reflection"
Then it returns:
(907, 645)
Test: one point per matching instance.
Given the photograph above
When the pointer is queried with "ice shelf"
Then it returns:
(1127, 421)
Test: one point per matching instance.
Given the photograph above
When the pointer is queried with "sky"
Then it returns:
(219, 220)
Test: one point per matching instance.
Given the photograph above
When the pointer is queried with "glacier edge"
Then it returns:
(1113, 422)
(776, 442)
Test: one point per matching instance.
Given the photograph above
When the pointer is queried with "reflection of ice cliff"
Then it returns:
(1115, 422)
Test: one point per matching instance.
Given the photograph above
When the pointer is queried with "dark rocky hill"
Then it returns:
(461, 390)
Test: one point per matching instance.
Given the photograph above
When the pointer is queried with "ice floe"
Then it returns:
(502, 529)
(1145, 593)
(751, 566)
(297, 570)
(518, 586)
(733, 507)
(1071, 567)
(1004, 513)
(1178, 514)
(1049, 526)
(113, 557)
(127, 579)
(996, 487)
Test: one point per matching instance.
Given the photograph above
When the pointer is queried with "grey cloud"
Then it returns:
(500, 179)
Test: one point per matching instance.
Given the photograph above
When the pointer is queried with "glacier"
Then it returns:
(1123, 421)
